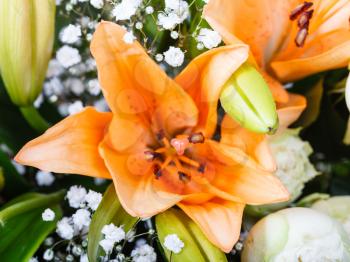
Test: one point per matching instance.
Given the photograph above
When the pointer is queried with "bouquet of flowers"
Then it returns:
(174, 130)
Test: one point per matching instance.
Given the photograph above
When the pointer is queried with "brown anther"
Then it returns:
(201, 168)
(300, 9)
(301, 37)
(196, 138)
(157, 171)
(150, 155)
(304, 19)
(183, 177)
(160, 135)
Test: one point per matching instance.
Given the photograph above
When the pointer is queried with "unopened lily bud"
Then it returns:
(296, 234)
(246, 97)
(337, 208)
(26, 41)
(182, 240)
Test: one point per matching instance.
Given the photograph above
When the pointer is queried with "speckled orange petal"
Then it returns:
(291, 111)
(261, 24)
(248, 181)
(204, 78)
(133, 176)
(219, 220)
(133, 84)
(71, 146)
(253, 144)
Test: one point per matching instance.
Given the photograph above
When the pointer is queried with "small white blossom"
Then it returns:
(143, 253)
(44, 178)
(114, 233)
(173, 243)
(174, 35)
(76, 196)
(48, 215)
(101, 106)
(93, 199)
(129, 37)
(168, 21)
(84, 258)
(38, 101)
(107, 245)
(53, 87)
(81, 218)
(126, 9)
(200, 46)
(209, 38)
(75, 107)
(65, 229)
(54, 69)
(94, 87)
(75, 85)
(149, 10)
(48, 255)
(70, 34)
(20, 169)
(176, 11)
(138, 25)
(159, 57)
(98, 4)
(33, 259)
(174, 56)
(68, 56)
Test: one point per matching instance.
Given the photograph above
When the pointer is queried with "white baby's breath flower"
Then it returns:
(54, 69)
(76, 196)
(143, 253)
(64, 228)
(174, 35)
(98, 4)
(126, 9)
(168, 20)
(159, 57)
(44, 178)
(129, 37)
(174, 56)
(34, 259)
(114, 233)
(70, 34)
(101, 106)
(93, 199)
(75, 107)
(84, 258)
(75, 85)
(68, 56)
(48, 254)
(94, 87)
(53, 87)
(173, 243)
(107, 245)
(81, 218)
(209, 38)
(48, 215)
(149, 10)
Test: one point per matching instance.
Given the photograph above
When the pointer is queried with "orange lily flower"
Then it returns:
(157, 143)
(289, 39)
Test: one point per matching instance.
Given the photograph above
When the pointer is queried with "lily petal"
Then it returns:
(133, 84)
(71, 146)
(291, 111)
(229, 215)
(253, 144)
(204, 78)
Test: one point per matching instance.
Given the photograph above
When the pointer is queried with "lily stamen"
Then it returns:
(196, 138)
(300, 9)
(189, 161)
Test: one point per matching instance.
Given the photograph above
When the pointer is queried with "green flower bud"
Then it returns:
(337, 208)
(296, 234)
(196, 246)
(26, 42)
(246, 97)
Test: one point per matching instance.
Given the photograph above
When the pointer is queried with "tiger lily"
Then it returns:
(157, 142)
(288, 39)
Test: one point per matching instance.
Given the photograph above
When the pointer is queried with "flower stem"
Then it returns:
(30, 204)
(34, 119)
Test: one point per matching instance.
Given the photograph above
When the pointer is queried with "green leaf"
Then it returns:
(22, 233)
(14, 182)
(109, 211)
(174, 221)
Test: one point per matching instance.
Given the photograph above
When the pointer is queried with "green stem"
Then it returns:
(34, 119)
(30, 204)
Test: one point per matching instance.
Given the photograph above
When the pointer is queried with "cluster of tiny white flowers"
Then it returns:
(143, 253)
(112, 235)
(173, 243)
(44, 178)
(48, 215)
